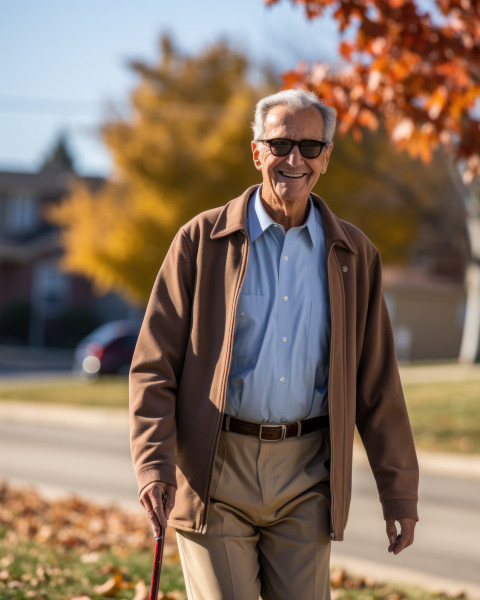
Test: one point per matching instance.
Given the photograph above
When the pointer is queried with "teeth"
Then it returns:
(293, 175)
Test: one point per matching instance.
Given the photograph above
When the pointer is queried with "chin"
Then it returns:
(287, 194)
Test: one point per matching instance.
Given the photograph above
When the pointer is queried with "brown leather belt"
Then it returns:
(273, 432)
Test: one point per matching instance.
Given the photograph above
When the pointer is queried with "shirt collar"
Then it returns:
(258, 220)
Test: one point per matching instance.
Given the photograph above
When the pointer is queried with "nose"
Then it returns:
(294, 157)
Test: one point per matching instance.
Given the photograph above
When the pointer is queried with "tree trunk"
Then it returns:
(470, 347)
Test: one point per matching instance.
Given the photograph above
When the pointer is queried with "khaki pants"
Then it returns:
(268, 523)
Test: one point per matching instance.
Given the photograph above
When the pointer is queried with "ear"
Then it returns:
(326, 158)
(256, 156)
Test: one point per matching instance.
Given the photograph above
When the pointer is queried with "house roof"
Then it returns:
(48, 184)
(49, 181)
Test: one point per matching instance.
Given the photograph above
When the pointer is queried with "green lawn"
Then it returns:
(445, 415)
(47, 571)
(106, 392)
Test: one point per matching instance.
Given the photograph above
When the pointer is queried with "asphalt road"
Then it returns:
(95, 463)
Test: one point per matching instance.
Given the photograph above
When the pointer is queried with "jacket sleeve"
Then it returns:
(382, 418)
(157, 366)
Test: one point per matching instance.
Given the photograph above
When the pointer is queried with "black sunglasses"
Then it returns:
(283, 147)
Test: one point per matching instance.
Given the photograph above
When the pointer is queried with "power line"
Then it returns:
(54, 106)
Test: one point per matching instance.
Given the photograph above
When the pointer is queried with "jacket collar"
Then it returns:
(233, 216)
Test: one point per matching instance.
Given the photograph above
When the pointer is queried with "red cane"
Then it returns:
(157, 566)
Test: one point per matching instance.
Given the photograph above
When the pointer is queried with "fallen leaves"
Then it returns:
(343, 582)
(84, 532)
(340, 578)
(73, 522)
(81, 532)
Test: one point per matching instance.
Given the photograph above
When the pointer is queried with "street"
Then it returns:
(94, 461)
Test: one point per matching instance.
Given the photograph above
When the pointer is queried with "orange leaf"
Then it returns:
(346, 49)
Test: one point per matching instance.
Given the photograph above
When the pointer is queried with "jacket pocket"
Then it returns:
(319, 332)
(249, 325)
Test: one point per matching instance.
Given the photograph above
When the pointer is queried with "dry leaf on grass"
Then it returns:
(141, 592)
(90, 558)
(111, 586)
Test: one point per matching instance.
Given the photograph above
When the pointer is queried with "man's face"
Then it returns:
(290, 179)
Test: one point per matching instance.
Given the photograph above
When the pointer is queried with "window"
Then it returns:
(21, 214)
(51, 289)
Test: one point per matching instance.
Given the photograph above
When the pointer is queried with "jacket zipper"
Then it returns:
(225, 377)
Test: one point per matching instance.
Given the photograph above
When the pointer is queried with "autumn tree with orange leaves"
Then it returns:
(414, 67)
(417, 72)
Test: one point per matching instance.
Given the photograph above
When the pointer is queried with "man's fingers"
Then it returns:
(407, 533)
(392, 534)
(153, 501)
(405, 539)
(150, 512)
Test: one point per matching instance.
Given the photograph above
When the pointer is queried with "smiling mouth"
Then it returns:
(291, 175)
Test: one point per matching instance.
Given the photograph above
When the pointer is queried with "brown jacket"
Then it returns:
(179, 373)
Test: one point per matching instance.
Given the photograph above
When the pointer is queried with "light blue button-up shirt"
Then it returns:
(281, 346)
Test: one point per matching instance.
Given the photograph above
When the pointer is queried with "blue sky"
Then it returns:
(62, 61)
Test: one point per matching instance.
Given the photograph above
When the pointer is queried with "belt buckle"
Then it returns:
(282, 437)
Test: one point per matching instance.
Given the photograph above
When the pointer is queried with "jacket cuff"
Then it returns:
(400, 509)
(156, 472)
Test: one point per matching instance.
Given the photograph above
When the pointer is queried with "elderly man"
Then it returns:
(265, 342)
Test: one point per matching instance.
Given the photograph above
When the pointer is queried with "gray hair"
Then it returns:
(295, 99)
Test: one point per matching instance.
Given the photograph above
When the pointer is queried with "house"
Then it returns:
(427, 313)
(39, 303)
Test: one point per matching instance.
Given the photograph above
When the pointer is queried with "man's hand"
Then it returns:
(405, 539)
(158, 499)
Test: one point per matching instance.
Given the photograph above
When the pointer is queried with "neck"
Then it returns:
(287, 214)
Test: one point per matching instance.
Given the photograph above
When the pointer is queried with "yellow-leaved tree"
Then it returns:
(184, 148)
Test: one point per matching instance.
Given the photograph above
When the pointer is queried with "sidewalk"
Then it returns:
(109, 419)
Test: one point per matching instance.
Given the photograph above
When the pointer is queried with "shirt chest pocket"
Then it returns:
(319, 332)
(250, 325)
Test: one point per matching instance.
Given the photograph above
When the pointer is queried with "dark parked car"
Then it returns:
(108, 349)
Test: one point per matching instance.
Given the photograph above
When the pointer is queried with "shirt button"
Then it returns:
(242, 314)
(285, 298)
(282, 379)
(285, 258)
(284, 339)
